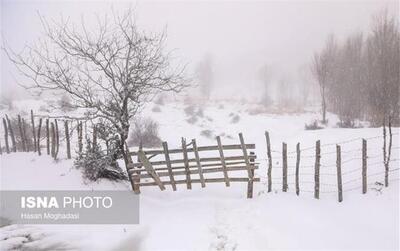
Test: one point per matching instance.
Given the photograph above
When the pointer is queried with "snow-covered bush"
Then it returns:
(207, 133)
(190, 110)
(144, 132)
(96, 164)
(313, 126)
(235, 119)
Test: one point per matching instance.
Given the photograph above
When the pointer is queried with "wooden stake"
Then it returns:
(14, 145)
(38, 137)
(57, 139)
(33, 131)
(250, 183)
(24, 135)
(6, 135)
(364, 166)
(48, 137)
(284, 167)
(297, 168)
(339, 173)
(94, 142)
(53, 140)
(248, 166)
(67, 139)
(317, 167)
(80, 137)
(21, 133)
(269, 174)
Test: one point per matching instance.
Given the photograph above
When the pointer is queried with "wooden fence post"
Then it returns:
(27, 148)
(186, 163)
(387, 154)
(21, 133)
(14, 145)
(221, 155)
(33, 131)
(67, 139)
(269, 174)
(53, 140)
(339, 173)
(38, 137)
(250, 183)
(384, 151)
(57, 147)
(94, 141)
(80, 137)
(48, 137)
(297, 168)
(284, 167)
(364, 166)
(6, 135)
(317, 167)
(249, 167)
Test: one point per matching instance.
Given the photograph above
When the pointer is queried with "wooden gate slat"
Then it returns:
(196, 155)
(168, 163)
(221, 154)
(150, 169)
(186, 162)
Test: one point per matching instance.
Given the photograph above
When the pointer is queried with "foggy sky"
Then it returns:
(241, 36)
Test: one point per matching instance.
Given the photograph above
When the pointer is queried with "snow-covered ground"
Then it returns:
(221, 218)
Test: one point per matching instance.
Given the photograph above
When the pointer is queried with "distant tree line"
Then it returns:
(359, 78)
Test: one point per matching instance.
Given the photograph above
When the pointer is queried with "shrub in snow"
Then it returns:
(190, 110)
(144, 132)
(313, 126)
(96, 164)
(192, 120)
(200, 112)
(156, 109)
(207, 133)
(235, 119)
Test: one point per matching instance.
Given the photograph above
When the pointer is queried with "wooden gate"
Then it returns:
(194, 164)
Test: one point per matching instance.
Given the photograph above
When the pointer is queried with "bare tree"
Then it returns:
(110, 69)
(265, 75)
(321, 66)
(205, 75)
(383, 68)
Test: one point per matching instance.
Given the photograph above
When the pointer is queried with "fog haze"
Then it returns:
(240, 36)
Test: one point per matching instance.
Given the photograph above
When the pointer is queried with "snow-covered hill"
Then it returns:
(221, 218)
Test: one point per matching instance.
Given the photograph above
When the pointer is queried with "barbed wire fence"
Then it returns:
(311, 176)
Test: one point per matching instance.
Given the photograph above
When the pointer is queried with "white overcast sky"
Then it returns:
(240, 35)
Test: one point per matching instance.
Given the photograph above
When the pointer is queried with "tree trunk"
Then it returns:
(323, 107)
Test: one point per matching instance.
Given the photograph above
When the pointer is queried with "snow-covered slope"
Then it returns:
(221, 218)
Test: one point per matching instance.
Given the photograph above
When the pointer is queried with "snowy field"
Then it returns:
(221, 218)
